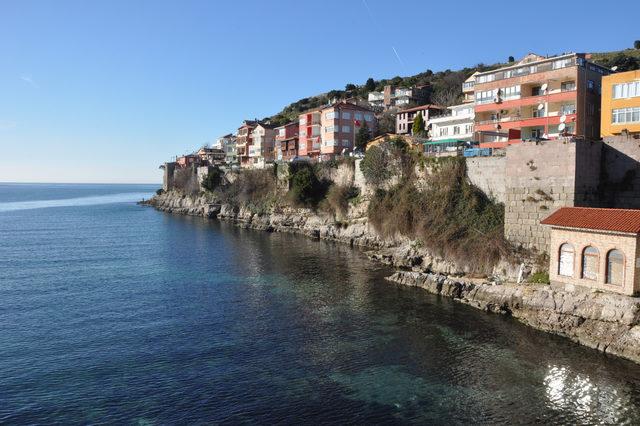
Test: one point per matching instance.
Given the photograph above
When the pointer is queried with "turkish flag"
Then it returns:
(357, 123)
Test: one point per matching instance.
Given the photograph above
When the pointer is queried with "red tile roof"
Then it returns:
(618, 220)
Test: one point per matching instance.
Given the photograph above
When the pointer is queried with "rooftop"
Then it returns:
(617, 220)
(422, 107)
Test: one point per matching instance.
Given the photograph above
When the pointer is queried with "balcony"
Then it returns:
(518, 121)
(529, 69)
(554, 96)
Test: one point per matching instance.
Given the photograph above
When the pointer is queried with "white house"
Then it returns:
(261, 152)
(456, 123)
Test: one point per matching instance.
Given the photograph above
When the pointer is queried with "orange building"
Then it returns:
(538, 98)
(620, 104)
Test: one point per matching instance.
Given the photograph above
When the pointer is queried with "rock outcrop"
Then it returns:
(606, 322)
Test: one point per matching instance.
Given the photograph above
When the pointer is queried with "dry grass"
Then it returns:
(451, 217)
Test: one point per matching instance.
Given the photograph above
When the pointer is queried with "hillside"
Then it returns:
(445, 86)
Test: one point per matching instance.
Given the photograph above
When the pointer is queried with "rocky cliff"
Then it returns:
(607, 322)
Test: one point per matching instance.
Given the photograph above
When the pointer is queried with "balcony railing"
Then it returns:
(529, 69)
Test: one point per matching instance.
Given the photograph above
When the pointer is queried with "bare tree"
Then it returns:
(186, 180)
(446, 97)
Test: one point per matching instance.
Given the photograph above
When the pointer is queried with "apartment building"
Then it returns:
(539, 98)
(404, 118)
(227, 144)
(262, 148)
(287, 138)
(468, 88)
(456, 123)
(620, 112)
(244, 140)
(397, 96)
(331, 130)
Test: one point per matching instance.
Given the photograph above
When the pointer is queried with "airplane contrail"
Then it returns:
(398, 56)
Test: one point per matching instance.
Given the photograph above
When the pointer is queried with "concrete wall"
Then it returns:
(488, 174)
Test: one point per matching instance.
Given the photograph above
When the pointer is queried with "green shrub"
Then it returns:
(305, 188)
(539, 278)
(212, 180)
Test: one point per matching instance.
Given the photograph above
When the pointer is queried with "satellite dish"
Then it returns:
(563, 118)
(545, 136)
(540, 107)
(544, 87)
(562, 126)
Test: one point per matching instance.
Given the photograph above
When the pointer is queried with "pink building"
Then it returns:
(332, 130)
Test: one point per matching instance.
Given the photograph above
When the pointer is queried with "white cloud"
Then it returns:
(27, 79)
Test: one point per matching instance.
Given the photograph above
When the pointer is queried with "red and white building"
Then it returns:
(538, 98)
(287, 139)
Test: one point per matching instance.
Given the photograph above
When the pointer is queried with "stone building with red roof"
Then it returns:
(596, 248)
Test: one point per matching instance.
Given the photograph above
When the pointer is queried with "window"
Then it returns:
(625, 115)
(444, 131)
(303, 132)
(303, 121)
(566, 86)
(590, 260)
(330, 115)
(565, 262)
(615, 267)
(626, 90)
(329, 129)
(315, 131)
(561, 63)
(456, 130)
(568, 109)
(536, 91)
(511, 92)
(539, 112)
(346, 115)
(591, 85)
(368, 117)
(346, 129)
(357, 116)
(468, 128)
(345, 142)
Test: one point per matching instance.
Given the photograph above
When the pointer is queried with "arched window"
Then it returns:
(565, 262)
(590, 260)
(615, 267)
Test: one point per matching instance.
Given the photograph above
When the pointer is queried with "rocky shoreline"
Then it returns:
(607, 322)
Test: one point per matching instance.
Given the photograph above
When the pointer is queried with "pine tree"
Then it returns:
(418, 125)
(363, 136)
(370, 85)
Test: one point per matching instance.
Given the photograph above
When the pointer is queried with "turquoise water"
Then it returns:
(115, 313)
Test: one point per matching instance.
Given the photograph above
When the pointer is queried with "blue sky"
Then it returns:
(105, 91)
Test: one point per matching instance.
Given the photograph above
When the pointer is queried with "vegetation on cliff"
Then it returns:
(442, 210)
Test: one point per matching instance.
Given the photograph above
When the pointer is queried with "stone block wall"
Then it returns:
(488, 174)
(621, 172)
(167, 177)
(543, 177)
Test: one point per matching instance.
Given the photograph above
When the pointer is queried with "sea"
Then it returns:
(115, 313)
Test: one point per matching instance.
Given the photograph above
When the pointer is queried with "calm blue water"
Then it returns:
(115, 313)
